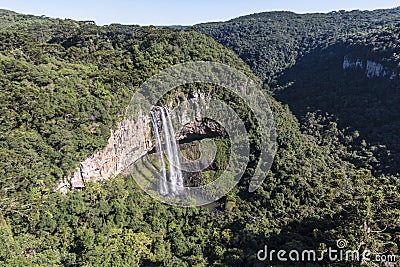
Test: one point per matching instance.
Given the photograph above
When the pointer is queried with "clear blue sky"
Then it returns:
(183, 12)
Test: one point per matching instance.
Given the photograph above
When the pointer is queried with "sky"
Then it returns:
(178, 12)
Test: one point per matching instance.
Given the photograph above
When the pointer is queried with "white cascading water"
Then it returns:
(173, 177)
(162, 185)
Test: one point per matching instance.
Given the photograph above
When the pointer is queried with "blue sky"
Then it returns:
(183, 12)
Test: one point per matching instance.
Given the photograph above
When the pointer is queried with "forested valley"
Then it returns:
(65, 84)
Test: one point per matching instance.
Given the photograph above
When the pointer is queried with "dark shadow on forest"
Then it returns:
(318, 83)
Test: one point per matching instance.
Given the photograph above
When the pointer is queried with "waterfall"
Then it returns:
(162, 185)
(171, 182)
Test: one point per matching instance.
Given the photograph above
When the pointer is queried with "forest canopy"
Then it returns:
(64, 85)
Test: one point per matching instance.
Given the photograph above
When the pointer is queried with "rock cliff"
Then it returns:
(130, 141)
(371, 68)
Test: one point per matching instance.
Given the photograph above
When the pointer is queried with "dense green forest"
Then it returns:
(301, 57)
(65, 83)
(355, 101)
(272, 41)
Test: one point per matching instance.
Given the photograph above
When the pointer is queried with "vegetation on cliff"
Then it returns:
(63, 85)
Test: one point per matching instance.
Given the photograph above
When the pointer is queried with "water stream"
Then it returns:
(171, 181)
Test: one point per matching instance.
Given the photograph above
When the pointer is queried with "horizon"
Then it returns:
(179, 13)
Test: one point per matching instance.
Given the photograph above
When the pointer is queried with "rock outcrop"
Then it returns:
(352, 64)
(189, 117)
(129, 142)
(371, 68)
(199, 129)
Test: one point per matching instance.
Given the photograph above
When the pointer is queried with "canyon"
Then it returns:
(133, 138)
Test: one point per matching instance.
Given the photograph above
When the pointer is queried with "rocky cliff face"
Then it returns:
(189, 115)
(199, 129)
(130, 141)
(352, 64)
(371, 68)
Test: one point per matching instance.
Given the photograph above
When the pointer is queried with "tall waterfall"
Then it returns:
(162, 185)
(171, 181)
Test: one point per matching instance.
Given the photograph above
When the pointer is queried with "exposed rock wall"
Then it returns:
(352, 64)
(371, 68)
(129, 142)
(194, 125)
(199, 129)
